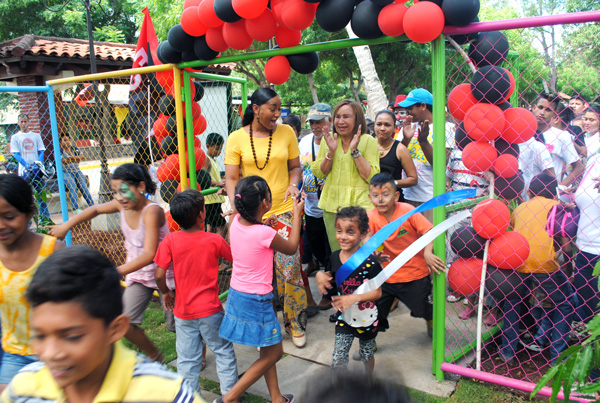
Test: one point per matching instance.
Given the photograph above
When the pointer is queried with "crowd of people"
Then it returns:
(298, 206)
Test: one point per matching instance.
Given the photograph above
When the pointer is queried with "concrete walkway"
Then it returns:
(403, 356)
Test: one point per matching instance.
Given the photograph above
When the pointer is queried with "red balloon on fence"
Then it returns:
(191, 3)
(512, 84)
(173, 226)
(423, 22)
(464, 275)
(277, 70)
(390, 19)
(165, 78)
(298, 14)
(490, 218)
(520, 125)
(484, 122)
(199, 158)
(236, 36)
(276, 8)
(460, 100)
(214, 39)
(200, 125)
(506, 166)
(261, 28)
(160, 128)
(508, 250)
(206, 14)
(169, 169)
(287, 38)
(479, 156)
(249, 8)
(190, 22)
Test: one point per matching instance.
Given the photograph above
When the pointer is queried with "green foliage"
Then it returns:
(109, 33)
(41, 223)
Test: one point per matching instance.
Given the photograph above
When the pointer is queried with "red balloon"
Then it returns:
(169, 169)
(490, 218)
(520, 125)
(277, 70)
(508, 250)
(460, 100)
(464, 275)
(276, 8)
(190, 22)
(165, 78)
(191, 3)
(173, 226)
(206, 14)
(423, 22)
(196, 110)
(286, 38)
(484, 122)
(214, 39)
(236, 36)
(199, 158)
(390, 19)
(479, 156)
(298, 14)
(512, 84)
(249, 8)
(506, 166)
(200, 125)
(263, 27)
(160, 128)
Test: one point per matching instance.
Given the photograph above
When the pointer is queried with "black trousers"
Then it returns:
(315, 241)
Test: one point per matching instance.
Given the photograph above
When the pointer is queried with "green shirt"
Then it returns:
(344, 186)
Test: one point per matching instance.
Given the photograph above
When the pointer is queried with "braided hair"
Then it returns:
(249, 194)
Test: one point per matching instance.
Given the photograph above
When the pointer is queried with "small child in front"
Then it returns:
(194, 255)
(77, 321)
(352, 227)
(411, 284)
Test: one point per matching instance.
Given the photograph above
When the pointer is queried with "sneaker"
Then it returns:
(429, 328)
(467, 313)
(491, 319)
(356, 355)
(533, 346)
(578, 331)
(325, 304)
(333, 317)
(454, 297)
(289, 398)
(299, 341)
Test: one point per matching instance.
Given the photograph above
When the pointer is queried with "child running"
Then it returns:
(21, 253)
(77, 321)
(249, 315)
(352, 227)
(195, 255)
(144, 226)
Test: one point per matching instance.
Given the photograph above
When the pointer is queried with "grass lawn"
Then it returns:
(467, 390)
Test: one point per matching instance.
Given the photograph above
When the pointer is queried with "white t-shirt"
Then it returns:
(592, 143)
(534, 158)
(588, 200)
(562, 150)
(460, 176)
(310, 184)
(27, 144)
(423, 190)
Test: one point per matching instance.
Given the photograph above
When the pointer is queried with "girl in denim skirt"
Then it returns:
(249, 315)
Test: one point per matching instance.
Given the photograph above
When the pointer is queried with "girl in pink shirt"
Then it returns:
(249, 315)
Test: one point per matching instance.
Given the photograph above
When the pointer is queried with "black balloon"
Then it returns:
(438, 2)
(224, 10)
(461, 139)
(313, 1)
(171, 125)
(490, 48)
(466, 243)
(166, 105)
(334, 15)
(381, 3)
(364, 20)
(188, 56)
(203, 178)
(466, 38)
(509, 188)
(490, 84)
(166, 54)
(504, 147)
(199, 91)
(168, 189)
(504, 105)
(202, 50)
(180, 40)
(505, 284)
(304, 63)
(169, 145)
(460, 12)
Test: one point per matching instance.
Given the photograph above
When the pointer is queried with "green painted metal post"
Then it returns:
(438, 63)
(189, 127)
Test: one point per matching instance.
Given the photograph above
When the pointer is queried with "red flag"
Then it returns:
(145, 52)
(85, 95)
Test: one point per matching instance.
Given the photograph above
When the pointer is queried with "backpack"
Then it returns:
(562, 222)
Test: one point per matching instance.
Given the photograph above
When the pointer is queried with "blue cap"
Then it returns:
(418, 96)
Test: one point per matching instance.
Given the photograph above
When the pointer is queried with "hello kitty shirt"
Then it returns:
(365, 315)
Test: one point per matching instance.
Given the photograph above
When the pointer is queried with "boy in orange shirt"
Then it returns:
(411, 284)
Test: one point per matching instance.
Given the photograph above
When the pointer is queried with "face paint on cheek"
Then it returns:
(127, 193)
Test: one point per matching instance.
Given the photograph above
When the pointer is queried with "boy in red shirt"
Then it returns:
(193, 255)
(411, 284)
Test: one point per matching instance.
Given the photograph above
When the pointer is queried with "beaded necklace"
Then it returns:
(254, 151)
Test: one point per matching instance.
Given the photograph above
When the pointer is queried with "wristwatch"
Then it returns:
(355, 153)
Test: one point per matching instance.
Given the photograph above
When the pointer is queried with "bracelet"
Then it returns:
(355, 153)
(327, 158)
(294, 185)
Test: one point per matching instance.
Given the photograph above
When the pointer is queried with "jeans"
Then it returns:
(190, 333)
(13, 363)
(75, 180)
(36, 180)
(586, 286)
(557, 321)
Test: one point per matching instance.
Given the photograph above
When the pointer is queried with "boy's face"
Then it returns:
(348, 234)
(76, 347)
(384, 198)
(214, 150)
